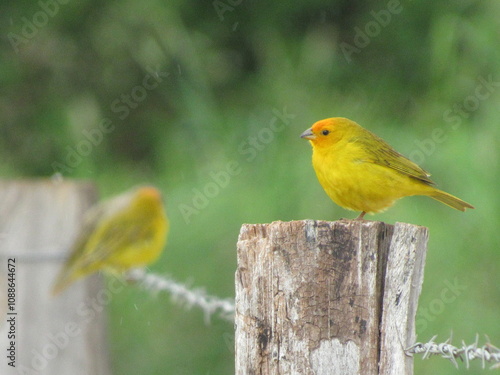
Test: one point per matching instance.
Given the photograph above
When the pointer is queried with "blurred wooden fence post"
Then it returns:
(327, 298)
(52, 335)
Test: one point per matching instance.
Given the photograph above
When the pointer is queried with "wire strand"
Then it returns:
(183, 295)
(467, 353)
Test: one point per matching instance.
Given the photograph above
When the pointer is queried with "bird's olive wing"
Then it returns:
(90, 222)
(119, 235)
(381, 153)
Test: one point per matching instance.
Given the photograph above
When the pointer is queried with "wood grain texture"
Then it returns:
(54, 335)
(309, 296)
(403, 284)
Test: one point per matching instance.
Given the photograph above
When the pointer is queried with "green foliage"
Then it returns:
(170, 92)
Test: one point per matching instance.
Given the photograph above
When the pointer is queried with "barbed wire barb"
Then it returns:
(183, 295)
(487, 353)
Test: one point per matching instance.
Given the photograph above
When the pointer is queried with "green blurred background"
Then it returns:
(181, 89)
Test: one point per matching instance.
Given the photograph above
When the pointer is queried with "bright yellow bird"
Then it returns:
(127, 231)
(361, 172)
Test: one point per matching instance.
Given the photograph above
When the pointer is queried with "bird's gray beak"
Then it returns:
(308, 134)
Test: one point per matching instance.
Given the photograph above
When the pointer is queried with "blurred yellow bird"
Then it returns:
(361, 172)
(129, 230)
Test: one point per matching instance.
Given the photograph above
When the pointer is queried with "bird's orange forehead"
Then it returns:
(150, 192)
(322, 124)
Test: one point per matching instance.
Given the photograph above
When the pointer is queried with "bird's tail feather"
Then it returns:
(450, 200)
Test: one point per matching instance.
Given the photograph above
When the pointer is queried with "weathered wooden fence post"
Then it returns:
(51, 335)
(327, 298)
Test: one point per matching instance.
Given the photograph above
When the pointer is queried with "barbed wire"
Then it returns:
(467, 353)
(183, 295)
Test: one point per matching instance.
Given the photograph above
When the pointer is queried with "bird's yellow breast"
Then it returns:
(354, 183)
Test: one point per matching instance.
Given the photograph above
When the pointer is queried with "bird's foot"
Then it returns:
(361, 216)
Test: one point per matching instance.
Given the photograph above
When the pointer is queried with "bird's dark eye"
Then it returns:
(325, 132)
